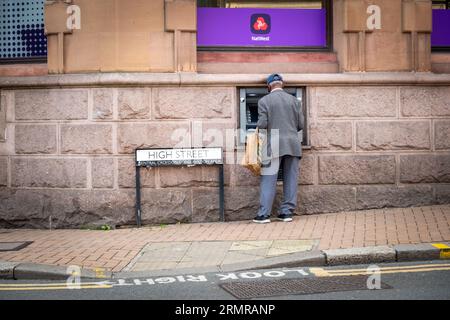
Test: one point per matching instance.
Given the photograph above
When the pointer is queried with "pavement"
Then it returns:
(371, 236)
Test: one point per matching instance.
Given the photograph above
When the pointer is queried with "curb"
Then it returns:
(7, 270)
(365, 255)
(397, 253)
(352, 256)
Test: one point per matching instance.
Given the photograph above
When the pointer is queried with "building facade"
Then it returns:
(87, 82)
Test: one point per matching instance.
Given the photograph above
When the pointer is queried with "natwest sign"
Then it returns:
(268, 27)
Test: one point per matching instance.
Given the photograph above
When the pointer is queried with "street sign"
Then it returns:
(179, 157)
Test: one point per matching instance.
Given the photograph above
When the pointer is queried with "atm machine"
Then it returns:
(248, 111)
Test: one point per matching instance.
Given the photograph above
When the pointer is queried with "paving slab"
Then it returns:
(182, 255)
(244, 256)
(250, 245)
(280, 247)
(14, 246)
(161, 265)
(164, 252)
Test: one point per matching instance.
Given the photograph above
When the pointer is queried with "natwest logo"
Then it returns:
(260, 23)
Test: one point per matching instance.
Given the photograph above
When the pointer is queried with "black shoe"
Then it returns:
(284, 217)
(261, 219)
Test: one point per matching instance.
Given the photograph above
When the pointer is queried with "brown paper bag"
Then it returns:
(252, 156)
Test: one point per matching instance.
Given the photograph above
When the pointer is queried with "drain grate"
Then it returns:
(270, 288)
(13, 246)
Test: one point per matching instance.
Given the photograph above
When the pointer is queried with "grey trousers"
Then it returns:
(268, 186)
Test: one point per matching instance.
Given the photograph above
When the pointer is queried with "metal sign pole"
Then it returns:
(138, 196)
(221, 194)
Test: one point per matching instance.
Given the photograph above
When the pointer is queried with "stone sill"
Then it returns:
(195, 79)
(265, 57)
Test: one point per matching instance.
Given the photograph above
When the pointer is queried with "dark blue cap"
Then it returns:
(274, 77)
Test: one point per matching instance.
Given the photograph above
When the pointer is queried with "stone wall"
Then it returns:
(440, 62)
(128, 35)
(67, 159)
(69, 154)
(382, 35)
(381, 145)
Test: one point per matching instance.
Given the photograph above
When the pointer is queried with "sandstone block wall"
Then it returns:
(128, 35)
(378, 146)
(399, 40)
(68, 154)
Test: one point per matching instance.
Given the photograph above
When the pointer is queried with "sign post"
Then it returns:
(178, 157)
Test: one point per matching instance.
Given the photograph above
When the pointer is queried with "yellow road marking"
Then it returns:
(418, 266)
(320, 272)
(444, 250)
(47, 284)
(325, 274)
(55, 288)
(394, 268)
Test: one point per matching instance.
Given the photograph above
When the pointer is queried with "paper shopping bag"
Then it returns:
(252, 156)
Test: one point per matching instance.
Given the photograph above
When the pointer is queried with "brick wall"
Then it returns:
(68, 154)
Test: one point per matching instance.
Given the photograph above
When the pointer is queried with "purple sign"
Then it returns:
(261, 27)
(440, 37)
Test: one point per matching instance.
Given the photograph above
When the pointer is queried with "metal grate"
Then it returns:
(13, 246)
(22, 29)
(281, 287)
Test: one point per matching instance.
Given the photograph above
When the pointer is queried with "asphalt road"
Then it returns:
(418, 280)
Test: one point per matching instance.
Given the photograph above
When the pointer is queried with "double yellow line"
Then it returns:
(52, 286)
(444, 253)
(321, 272)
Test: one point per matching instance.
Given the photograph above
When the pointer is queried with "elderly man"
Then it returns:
(280, 115)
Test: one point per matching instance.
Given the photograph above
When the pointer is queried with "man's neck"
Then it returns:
(276, 89)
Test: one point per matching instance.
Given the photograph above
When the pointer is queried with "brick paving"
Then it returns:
(114, 250)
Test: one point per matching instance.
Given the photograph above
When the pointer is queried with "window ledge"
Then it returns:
(22, 70)
(254, 79)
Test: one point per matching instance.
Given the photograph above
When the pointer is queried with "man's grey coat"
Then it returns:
(282, 111)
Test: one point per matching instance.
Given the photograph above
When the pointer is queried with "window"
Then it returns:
(264, 25)
(440, 37)
(442, 4)
(22, 36)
